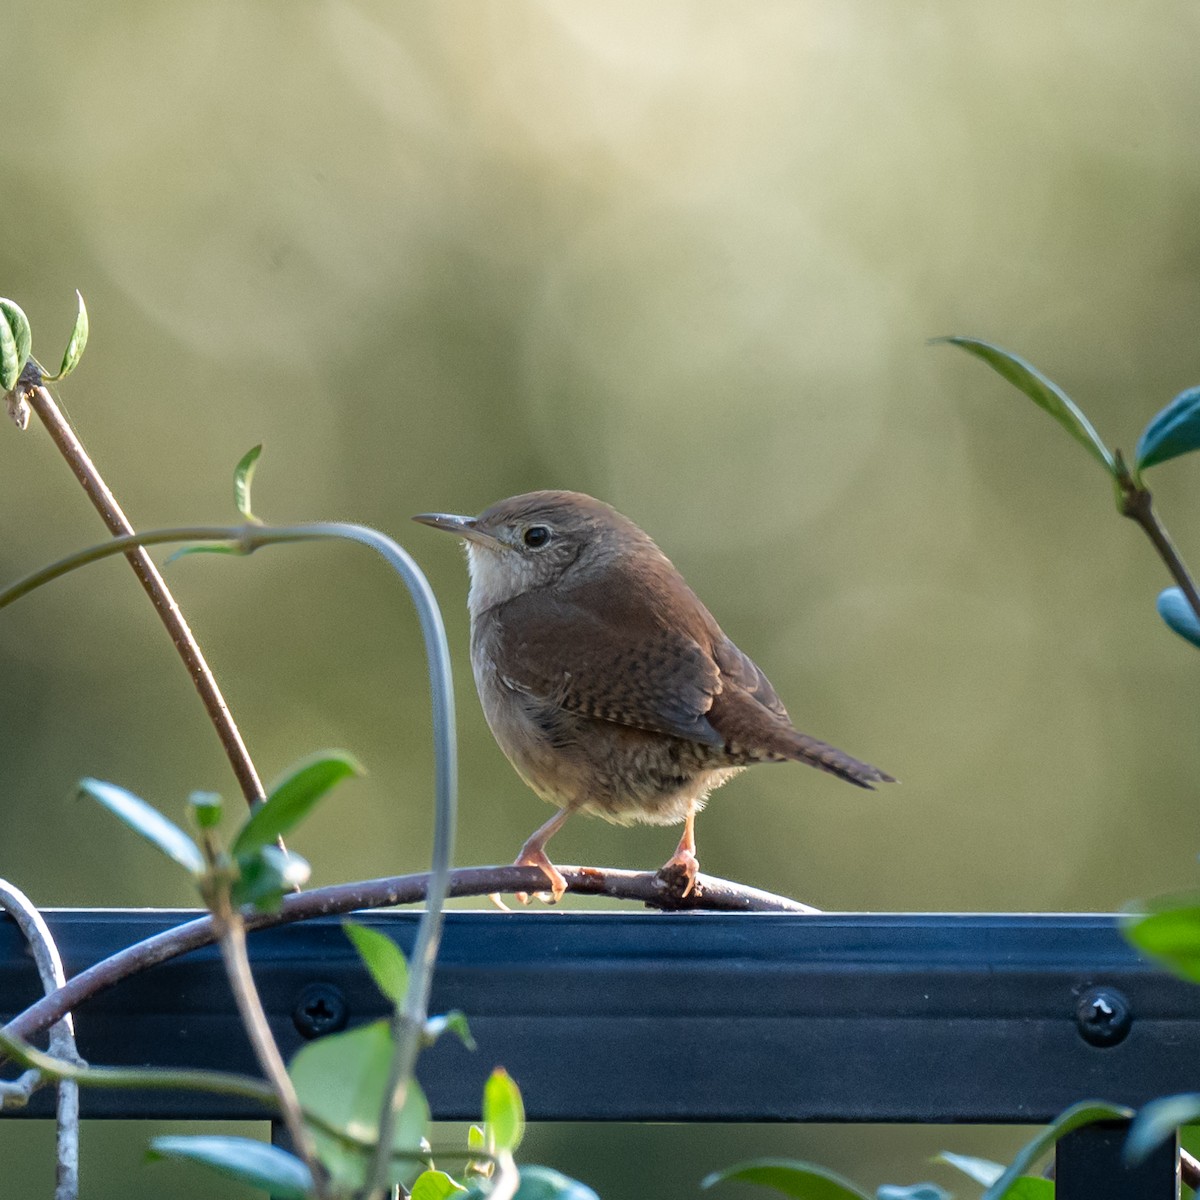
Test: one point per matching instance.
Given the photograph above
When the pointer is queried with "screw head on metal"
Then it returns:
(1103, 1016)
(320, 1009)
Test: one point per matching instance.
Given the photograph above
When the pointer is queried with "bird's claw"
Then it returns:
(679, 873)
(558, 884)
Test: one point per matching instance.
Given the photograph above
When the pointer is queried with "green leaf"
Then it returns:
(1030, 1187)
(10, 364)
(382, 957)
(243, 476)
(1158, 1121)
(291, 800)
(1175, 610)
(476, 1142)
(914, 1191)
(342, 1078)
(1172, 432)
(1042, 391)
(452, 1022)
(205, 809)
(544, 1183)
(16, 341)
(147, 821)
(257, 1163)
(435, 1185)
(1087, 1112)
(803, 1181)
(503, 1111)
(78, 340)
(1169, 929)
(266, 877)
(982, 1170)
(293, 870)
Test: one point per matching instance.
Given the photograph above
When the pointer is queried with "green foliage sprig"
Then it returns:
(16, 352)
(1172, 432)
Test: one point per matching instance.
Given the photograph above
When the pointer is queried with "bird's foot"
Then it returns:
(679, 873)
(558, 884)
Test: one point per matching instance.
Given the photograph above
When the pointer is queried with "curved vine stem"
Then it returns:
(411, 1020)
(62, 1039)
(49, 1069)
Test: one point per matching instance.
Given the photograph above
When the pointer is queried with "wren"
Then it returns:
(607, 683)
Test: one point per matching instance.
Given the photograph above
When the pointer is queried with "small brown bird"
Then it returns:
(605, 680)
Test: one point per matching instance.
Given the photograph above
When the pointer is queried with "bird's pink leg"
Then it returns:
(533, 854)
(683, 861)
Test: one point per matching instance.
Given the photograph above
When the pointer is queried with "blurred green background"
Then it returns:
(684, 257)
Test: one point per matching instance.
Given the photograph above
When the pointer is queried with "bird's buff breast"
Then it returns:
(624, 775)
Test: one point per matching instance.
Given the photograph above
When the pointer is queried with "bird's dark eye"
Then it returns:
(536, 536)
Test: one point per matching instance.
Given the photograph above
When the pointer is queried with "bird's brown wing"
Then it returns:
(744, 673)
(609, 659)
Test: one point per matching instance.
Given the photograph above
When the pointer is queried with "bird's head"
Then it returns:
(538, 540)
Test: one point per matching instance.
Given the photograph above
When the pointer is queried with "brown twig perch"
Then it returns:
(715, 895)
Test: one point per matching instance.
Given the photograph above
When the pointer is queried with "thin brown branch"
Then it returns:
(711, 894)
(1137, 504)
(231, 934)
(151, 579)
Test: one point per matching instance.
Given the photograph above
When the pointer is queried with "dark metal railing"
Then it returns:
(692, 1017)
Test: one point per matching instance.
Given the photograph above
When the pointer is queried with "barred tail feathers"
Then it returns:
(837, 762)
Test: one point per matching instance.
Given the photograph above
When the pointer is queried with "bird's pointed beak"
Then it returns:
(463, 527)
